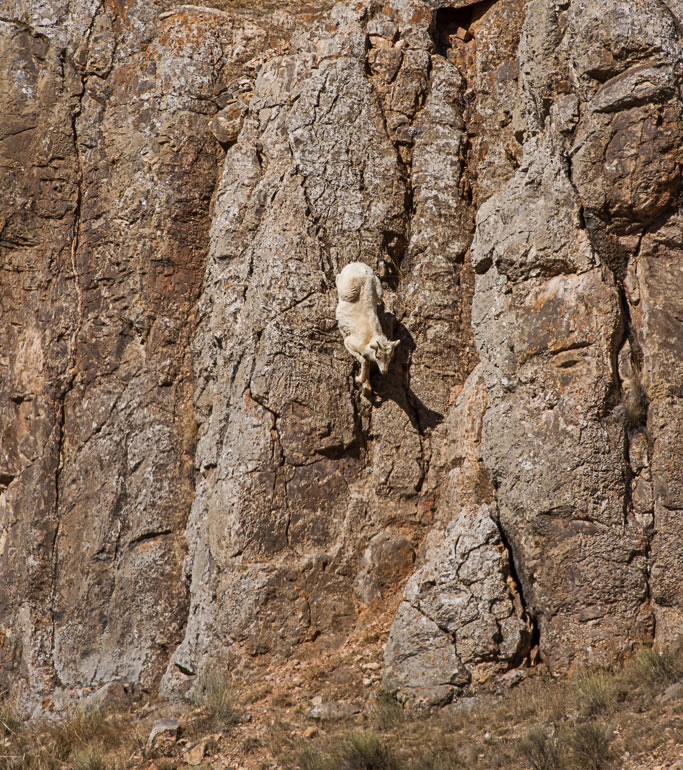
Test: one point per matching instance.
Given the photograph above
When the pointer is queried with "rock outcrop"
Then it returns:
(188, 477)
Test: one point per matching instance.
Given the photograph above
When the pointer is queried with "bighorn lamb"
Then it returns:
(359, 292)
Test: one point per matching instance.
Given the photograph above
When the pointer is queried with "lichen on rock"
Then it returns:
(188, 477)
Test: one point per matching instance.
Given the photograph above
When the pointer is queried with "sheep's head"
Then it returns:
(382, 351)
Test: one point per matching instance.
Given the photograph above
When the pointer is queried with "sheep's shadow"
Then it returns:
(395, 385)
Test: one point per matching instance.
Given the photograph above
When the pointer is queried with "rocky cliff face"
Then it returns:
(189, 476)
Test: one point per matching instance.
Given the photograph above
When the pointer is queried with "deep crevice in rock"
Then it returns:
(71, 360)
(149, 536)
(524, 654)
(449, 22)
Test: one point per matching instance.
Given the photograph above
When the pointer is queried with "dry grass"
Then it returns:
(359, 750)
(585, 722)
(590, 721)
(386, 712)
(541, 750)
(86, 737)
(9, 722)
(655, 667)
(216, 697)
(590, 745)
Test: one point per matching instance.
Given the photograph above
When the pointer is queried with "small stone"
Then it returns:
(165, 733)
(111, 694)
(671, 692)
(512, 677)
(462, 705)
(311, 732)
(380, 42)
(227, 124)
(196, 754)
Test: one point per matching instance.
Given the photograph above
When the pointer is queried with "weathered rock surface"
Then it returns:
(188, 477)
(558, 250)
(163, 736)
(108, 174)
(461, 622)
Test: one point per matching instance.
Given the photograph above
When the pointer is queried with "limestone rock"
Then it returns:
(163, 737)
(227, 123)
(331, 710)
(461, 620)
(548, 326)
(187, 476)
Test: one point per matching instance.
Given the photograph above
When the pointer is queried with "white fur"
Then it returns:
(359, 292)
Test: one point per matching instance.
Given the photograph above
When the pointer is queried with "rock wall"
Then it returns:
(189, 476)
(108, 175)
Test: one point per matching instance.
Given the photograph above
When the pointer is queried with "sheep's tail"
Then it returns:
(351, 288)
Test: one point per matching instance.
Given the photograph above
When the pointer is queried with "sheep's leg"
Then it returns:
(353, 350)
(363, 378)
(378, 287)
(348, 344)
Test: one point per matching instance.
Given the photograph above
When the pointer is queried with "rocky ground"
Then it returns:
(190, 481)
(630, 717)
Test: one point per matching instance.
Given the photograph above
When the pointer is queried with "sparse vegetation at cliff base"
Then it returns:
(628, 717)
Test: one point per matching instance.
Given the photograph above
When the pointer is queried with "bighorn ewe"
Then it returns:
(359, 292)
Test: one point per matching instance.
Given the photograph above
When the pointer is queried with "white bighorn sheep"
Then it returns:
(359, 292)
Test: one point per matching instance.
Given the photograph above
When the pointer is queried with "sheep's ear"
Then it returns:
(395, 343)
(375, 345)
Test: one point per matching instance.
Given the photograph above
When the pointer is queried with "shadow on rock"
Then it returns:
(395, 386)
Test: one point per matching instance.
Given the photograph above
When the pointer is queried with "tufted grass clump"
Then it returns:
(363, 750)
(386, 711)
(90, 758)
(216, 696)
(590, 745)
(595, 691)
(82, 738)
(9, 721)
(359, 750)
(540, 750)
(658, 666)
(77, 728)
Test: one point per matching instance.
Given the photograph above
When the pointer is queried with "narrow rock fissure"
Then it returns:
(535, 634)
(72, 356)
(634, 416)
(149, 536)
(55, 544)
(68, 386)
